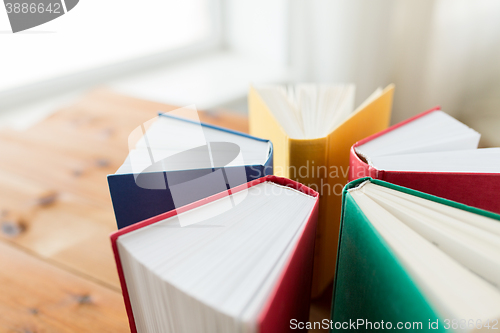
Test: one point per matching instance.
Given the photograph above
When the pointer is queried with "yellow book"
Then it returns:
(312, 128)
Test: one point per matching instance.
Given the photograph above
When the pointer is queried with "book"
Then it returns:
(312, 128)
(178, 161)
(243, 269)
(433, 153)
(415, 260)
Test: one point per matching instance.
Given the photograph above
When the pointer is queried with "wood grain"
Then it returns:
(39, 297)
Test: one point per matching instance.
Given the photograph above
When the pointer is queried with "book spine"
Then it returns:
(478, 190)
(307, 161)
(360, 169)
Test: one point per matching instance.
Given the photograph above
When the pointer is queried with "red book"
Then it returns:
(253, 261)
(474, 187)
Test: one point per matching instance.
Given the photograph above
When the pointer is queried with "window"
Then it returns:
(99, 33)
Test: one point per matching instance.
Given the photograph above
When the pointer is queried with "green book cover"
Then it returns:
(372, 290)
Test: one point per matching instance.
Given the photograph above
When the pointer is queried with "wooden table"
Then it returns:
(57, 273)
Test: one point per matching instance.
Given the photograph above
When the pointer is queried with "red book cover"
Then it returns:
(473, 189)
(290, 297)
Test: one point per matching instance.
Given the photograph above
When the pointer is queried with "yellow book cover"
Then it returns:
(312, 147)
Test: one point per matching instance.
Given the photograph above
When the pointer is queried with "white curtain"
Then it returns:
(437, 52)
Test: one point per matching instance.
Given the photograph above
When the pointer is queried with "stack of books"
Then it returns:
(220, 231)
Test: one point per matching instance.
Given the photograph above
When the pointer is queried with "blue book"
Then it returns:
(174, 162)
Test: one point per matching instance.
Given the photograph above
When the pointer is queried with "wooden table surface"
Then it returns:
(57, 273)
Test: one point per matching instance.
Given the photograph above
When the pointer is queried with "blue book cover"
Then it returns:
(190, 174)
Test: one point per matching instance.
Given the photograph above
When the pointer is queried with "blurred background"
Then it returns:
(207, 52)
(108, 66)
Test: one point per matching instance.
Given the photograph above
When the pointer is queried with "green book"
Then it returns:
(412, 261)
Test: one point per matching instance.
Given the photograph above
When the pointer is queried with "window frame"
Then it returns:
(11, 98)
